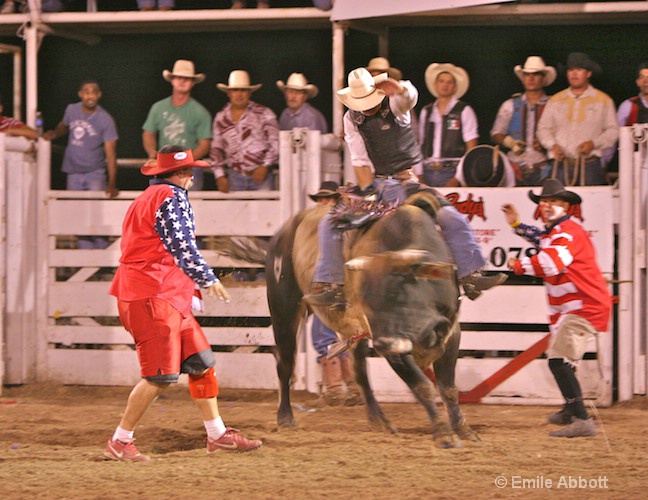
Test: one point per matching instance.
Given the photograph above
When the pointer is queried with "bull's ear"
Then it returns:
(359, 263)
(436, 270)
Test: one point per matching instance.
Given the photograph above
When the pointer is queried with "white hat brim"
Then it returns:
(168, 75)
(549, 71)
(311, 90)
(460, 75)
(252, 88)
(364, 103)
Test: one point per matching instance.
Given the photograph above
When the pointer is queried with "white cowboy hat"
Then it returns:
(461, 77)
(535, 64)
(238, 79)
(381, 65)
(297, 81)
(185, 69)
(362, 94)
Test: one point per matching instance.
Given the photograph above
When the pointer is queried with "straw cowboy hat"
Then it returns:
(297, 81)
(328, 189)
(381, 65)
(553, 188)
(169, 162)
(185, 69)
(362, 93)
(535, 64)
(238, 79)
(460, 76)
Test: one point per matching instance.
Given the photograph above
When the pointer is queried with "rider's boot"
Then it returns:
(326, 295)
(475, 283)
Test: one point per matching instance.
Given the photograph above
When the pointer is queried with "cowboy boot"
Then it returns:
(353, 395)
(334, 394)
(475, 283)
(326, 295)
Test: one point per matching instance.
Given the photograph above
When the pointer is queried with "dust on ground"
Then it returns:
(51, 439)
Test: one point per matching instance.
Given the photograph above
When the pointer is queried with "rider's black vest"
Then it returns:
(390, 146)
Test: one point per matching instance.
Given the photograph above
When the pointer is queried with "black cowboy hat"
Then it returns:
(581, 60)
(480, 169)
(553, 188)
(328, 189)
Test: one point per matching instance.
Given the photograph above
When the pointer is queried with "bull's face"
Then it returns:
(408, 299)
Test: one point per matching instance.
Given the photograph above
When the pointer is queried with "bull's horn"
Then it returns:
(359, 263)
(409, 256)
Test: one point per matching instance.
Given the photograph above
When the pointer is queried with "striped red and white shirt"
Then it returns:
(566, 261)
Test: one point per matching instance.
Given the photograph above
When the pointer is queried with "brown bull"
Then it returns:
(402, 290)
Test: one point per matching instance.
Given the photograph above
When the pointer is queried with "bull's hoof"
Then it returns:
(465, 432)
(382, 425)
(446, 442)
(286, 422)
(443, 437)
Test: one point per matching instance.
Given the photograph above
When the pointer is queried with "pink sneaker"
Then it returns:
(125, 452)
(232, 441)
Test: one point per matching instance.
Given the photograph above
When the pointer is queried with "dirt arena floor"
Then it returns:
(51, 438)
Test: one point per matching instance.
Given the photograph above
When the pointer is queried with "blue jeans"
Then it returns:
(238, 181)
(322, 337)
(456, 229)
(441, 176)
(89, 181)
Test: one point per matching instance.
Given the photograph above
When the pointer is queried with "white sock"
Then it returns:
(123, 435)
(215, 428)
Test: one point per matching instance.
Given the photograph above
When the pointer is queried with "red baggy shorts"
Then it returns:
(163, 337)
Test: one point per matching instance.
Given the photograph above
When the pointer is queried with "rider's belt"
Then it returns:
(440, 165)
(401, 175)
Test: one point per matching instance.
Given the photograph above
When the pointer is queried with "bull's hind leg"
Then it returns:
(286, 310)
(406, 368)
(444, 371)
(377, 418)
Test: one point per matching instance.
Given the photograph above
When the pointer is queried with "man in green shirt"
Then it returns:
(179, 119)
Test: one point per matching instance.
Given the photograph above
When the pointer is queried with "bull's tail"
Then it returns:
(246, 248)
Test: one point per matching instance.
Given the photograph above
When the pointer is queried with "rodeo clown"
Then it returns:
(154, 286)
(386, 160)
(579, 300)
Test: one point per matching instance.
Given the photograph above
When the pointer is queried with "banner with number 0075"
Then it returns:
(482, 207)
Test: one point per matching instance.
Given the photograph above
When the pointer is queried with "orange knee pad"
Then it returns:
(203, 386)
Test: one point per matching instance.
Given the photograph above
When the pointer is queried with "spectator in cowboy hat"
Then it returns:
(299, 113)
(517, 121)
(448, 127)
(179, 119)
(379, 65)
(578, 125)
(245, 143)
(578, 296)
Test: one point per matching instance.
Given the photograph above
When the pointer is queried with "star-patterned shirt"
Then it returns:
(160, 257)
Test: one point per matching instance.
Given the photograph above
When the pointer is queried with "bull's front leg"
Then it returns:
(444, 371)
(423, 390)
(377, 418)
